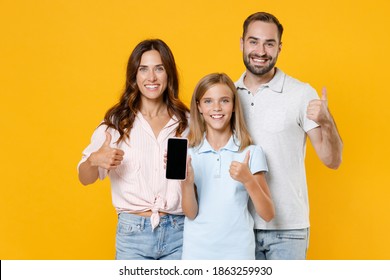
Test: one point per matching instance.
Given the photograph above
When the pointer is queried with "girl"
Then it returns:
(129, 147)
(224, 170)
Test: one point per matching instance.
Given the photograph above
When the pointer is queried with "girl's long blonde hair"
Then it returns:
(237, 123)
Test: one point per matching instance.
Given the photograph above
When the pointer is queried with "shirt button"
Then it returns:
(252, 104)
(217, 159)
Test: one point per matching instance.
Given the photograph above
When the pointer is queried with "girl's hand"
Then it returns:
(190, 173)
(239, 171)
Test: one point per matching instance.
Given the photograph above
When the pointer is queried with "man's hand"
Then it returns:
(317, 110)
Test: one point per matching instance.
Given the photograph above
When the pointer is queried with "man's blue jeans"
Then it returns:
(281, 244)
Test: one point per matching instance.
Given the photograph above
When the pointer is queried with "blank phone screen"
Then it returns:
(176, 158)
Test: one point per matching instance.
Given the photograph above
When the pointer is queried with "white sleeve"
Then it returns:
(309, 93)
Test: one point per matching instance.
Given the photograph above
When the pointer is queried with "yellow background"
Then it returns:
(62, 65)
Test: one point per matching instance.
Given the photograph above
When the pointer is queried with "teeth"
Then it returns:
(259, 60)
(216, 116)
(151, 86)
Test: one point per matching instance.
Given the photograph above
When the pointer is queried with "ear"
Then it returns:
(199, 109)
(241, 44)
(280, 46)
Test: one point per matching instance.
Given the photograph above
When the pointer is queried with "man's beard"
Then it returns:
(259, 71)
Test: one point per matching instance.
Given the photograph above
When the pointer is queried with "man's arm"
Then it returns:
(325, 139)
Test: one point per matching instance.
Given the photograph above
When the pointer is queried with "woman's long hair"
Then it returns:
(122, 115)
(237, 123)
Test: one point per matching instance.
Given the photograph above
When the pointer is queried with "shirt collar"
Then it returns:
(276, 84)
(231, 145)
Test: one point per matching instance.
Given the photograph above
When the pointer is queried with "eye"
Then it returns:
(160, 69)
(253, 42)
(143, 69)
(225, 100)
(207, 101)
(270, 44)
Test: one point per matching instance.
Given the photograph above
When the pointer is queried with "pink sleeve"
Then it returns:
(97, 140)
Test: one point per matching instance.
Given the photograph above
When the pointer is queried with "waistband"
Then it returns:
(134, 218)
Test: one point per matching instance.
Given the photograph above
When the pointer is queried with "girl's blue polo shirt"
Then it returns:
(223, 228)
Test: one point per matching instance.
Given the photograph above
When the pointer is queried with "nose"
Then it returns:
(260, 49)
(217, 106)
(152, 76)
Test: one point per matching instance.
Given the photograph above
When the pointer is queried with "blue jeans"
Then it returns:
(135, 239)
(281, 244)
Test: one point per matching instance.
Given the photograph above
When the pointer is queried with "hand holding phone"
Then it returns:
(176, 167)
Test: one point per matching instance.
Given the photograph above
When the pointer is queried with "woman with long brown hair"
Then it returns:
(129, 147)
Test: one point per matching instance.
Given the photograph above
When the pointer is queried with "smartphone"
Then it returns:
(176, 167)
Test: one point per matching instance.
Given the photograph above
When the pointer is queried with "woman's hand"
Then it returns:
(106, 157)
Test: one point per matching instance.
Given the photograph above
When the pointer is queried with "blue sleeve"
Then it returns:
(257, 161)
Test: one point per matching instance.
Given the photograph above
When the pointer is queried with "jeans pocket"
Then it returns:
(128, 229)
(178, 223)
(297, 236)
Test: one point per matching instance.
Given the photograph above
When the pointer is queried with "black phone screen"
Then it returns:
(176, 159)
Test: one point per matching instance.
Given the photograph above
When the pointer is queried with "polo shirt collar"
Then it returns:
(231, 145)
(276, 84)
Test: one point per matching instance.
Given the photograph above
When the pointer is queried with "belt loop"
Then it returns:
(143, 223)
(172, 220)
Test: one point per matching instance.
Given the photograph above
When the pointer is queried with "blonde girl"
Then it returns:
(224, 170)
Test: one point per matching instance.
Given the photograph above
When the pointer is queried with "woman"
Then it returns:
(129, 147)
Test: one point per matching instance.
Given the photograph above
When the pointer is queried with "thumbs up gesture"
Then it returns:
(239, 171)
(317, 110)
(107, 157)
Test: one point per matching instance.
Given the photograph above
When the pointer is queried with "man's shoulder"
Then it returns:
(292, 83)
(240, 82)
(295, 81)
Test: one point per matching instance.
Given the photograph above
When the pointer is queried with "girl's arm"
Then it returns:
(261, 197)
(256, 186)
(189, 201)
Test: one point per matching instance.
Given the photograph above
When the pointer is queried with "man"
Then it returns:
(280, 112)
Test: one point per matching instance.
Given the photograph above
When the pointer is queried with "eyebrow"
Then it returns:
(257, 39)
(157, 65)
(222, 97)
